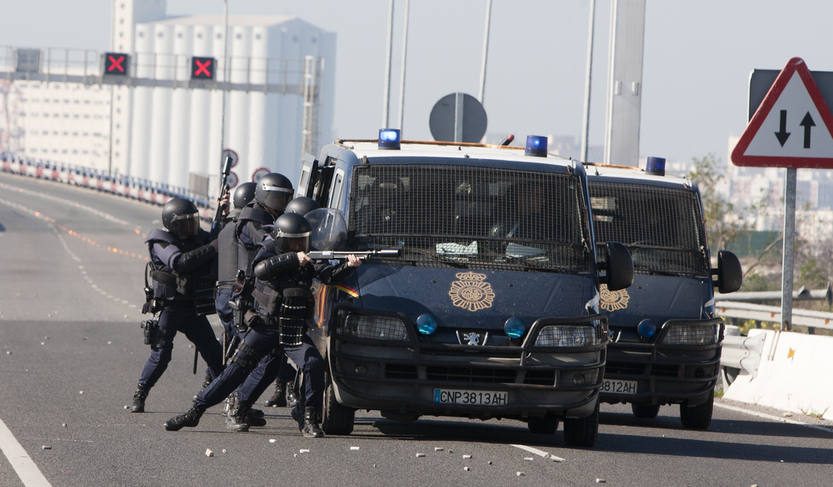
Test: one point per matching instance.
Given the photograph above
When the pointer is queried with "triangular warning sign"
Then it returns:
(793, 126)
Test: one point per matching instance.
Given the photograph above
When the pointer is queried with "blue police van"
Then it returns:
(490, 307)
(665, 339)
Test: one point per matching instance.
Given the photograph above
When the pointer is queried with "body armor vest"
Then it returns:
(169, 286)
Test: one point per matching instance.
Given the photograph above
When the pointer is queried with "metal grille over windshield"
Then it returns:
(471, 216)
(661, 226)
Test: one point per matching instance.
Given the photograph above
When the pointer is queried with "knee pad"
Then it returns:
(163, 353)
(246, 357)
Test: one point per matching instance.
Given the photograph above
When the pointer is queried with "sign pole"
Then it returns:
(788, 257)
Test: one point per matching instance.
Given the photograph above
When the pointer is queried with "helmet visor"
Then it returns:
(297, 244)
(184, 226)
(276, 197)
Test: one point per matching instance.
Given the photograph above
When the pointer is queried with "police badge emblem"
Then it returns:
(613, 300)
(471, 292)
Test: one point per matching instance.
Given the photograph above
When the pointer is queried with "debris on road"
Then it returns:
(80, 392)
(467, 469)
(64, 425)
(556, 459)
(520, 474)
(303, 450)
(489, 462)
(528, 459)
(209, 452)
(223, 451)
(354, 448)
(438, 448)
(466, 457)
(420, 455)
(46, 447)
(600, 481)
(272, 440)
(8, 352)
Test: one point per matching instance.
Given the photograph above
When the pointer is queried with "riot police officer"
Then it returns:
(301, 205)
(183, 275)
(282, 304)
(227, 264)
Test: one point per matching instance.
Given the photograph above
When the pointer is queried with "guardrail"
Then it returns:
(119, 185)
(801, 294)
(760, 312)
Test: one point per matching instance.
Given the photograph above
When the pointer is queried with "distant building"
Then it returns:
(173, 135)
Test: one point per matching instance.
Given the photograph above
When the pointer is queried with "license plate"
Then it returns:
(616, 386)
(459, 397)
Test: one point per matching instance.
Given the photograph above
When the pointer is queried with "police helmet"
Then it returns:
(181, 218)
(243, 194)
(301, 205)
(292, 231)
(274, 191)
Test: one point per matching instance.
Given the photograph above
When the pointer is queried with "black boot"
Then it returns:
(190, 418)
(311, 428)
(278, 398)
(139, 397)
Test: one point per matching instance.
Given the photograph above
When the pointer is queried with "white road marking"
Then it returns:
(773, 417)
(540, 453)
(29, 473)
(66, 247)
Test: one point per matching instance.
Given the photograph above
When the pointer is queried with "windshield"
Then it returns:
(662, 227)
(469, 216)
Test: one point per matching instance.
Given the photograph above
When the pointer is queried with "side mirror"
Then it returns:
(729, 273)
(619, 267)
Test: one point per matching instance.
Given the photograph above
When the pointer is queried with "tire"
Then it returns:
(645, 411)
(542, 426)
(335, 418)
(697, 417)
(582, 431)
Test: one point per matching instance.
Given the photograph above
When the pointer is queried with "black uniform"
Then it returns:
(282, 305)
(180, 267)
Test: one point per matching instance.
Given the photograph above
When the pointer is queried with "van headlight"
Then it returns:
(692, 334)
(567, 336)
(375, 327)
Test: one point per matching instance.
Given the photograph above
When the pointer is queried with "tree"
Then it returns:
(722, 223)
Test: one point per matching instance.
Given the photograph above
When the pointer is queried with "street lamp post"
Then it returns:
(225, 83)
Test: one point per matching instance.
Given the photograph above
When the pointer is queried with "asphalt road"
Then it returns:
(71, 263)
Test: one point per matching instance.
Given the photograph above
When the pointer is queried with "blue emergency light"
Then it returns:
(647, 328)
(513, 326)
(426, 324)
(536, 145)
(655, 166)
(389, 139)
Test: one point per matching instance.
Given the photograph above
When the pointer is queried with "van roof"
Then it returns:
(461, 150)
(613, 171)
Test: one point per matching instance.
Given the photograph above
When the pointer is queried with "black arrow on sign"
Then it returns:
(807, 122)
(782, 134)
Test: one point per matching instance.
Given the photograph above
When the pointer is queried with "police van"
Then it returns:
(665, 339)
(489, 309)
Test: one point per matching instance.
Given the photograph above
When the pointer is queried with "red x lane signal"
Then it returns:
(116, 63)
(202, 67)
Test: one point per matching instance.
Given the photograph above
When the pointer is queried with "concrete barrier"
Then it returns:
(795, 374)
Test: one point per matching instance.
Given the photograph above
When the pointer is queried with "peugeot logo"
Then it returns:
(472, 338)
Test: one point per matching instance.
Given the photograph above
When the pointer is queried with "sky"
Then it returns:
(697, 61)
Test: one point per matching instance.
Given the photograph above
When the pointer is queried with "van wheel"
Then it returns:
(336, 419)
(697, 417)
(645, 411)
(582, 431)
(542, 426)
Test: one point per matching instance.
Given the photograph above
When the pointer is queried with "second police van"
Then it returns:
(491, 307)
(665, 339)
